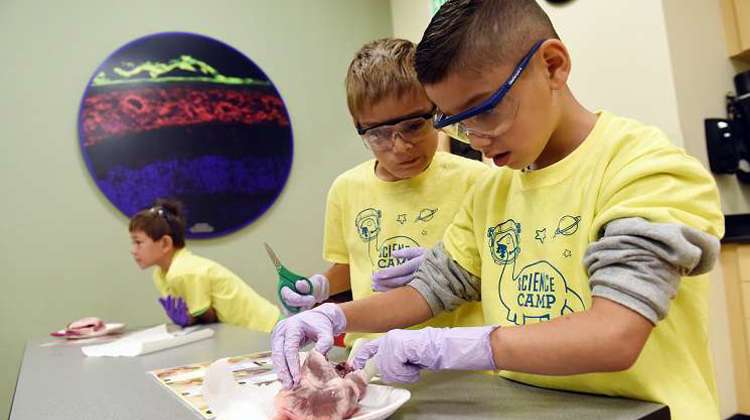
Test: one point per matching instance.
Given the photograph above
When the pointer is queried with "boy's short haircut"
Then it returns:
(380, 69)
(475, 34)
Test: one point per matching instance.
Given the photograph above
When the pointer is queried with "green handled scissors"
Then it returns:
(286, 279)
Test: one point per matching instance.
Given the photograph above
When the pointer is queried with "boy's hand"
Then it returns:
(394, 277)
(308, 298)
(401, 354)
(317, 325)
(176, 310)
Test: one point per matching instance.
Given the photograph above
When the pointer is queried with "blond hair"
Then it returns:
(381, 68)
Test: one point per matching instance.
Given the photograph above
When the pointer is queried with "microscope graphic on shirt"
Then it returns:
(539, 291)
(369, 227)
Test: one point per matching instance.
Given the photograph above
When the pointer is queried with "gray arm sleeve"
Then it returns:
(639, 264)
(443, 283)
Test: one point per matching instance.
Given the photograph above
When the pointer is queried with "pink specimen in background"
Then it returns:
(84, 326)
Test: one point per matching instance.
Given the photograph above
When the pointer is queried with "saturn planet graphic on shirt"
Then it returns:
(567, 225)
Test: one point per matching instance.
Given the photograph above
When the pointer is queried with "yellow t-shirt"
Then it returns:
(525, 234)
(368, 218)
(205, 284)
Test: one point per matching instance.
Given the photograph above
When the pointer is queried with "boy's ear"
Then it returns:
(556, 62)
(166, 243)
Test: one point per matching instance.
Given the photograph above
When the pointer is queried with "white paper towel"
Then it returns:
(230, 401)
(147, 341)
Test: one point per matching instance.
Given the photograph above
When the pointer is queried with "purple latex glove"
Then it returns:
(394, 277)
(401, 354)
(176, 310)
(309, 298)
(290, 335)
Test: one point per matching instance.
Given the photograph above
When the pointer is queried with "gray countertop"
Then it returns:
(451, 395)
(58, 382)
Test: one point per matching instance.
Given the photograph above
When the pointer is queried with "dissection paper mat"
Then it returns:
(147, 341)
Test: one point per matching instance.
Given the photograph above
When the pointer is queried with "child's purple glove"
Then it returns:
(176, 310)
(394, 277)
(306, 299)
(401, 354)
(318, 325)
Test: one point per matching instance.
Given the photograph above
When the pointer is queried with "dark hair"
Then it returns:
(473, 34)
(165, 217)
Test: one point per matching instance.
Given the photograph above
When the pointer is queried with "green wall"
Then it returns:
(64, 250)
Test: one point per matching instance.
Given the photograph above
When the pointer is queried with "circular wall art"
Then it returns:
(185, 116)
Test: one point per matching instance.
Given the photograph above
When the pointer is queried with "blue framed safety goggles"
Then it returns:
(442, 120)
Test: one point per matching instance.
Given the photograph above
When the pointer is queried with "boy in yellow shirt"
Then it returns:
(193, 289)
(589, 249)
(382, 212)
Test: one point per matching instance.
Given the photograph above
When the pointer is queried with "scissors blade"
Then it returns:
(272, 255)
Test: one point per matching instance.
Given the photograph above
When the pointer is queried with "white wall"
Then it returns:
(703, 74)
(620, 59)
(410, 18)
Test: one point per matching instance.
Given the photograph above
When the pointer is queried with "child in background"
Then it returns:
(193, 289)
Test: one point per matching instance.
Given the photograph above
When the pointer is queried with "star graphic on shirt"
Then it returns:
(541, 235)
(401, 218)
(567, 253)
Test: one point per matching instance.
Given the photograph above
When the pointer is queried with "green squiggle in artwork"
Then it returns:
(157, 72)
